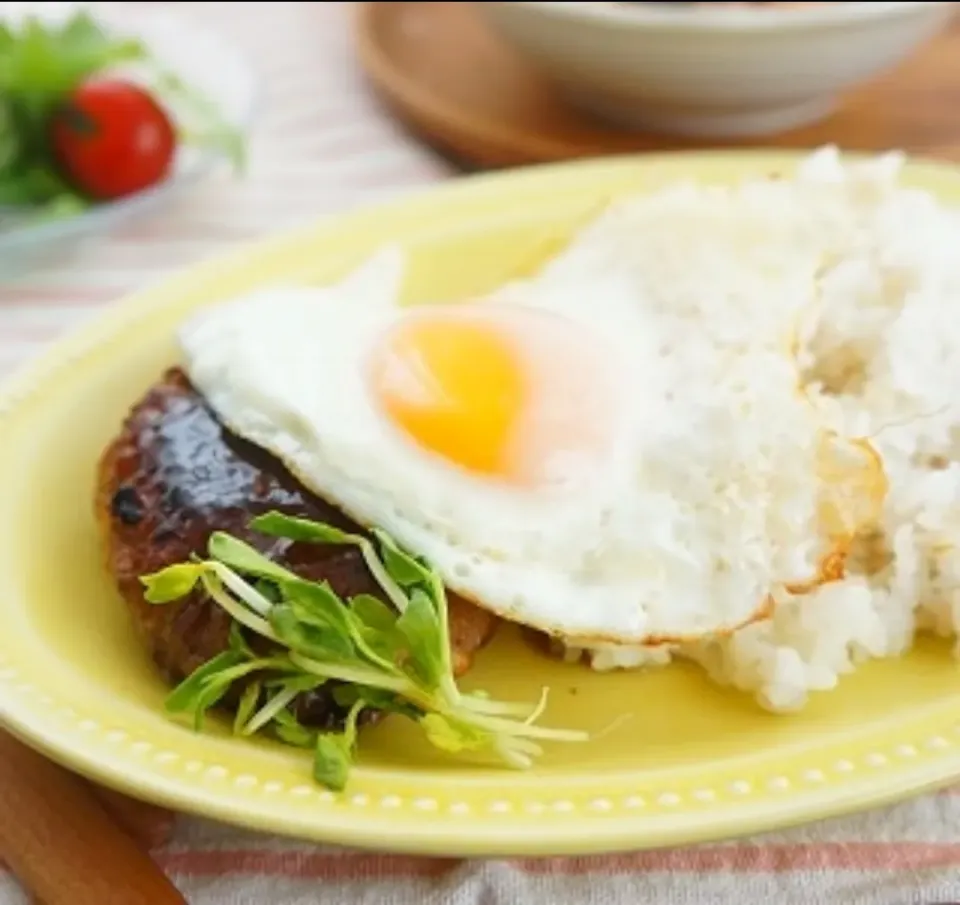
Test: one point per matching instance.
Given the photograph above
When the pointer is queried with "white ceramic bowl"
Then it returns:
(720, 72)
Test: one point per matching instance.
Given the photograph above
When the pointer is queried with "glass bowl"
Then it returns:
(205, 60)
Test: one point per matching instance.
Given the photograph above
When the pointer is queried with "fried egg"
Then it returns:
(573, 459)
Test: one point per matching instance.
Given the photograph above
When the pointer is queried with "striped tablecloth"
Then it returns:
(323, 145)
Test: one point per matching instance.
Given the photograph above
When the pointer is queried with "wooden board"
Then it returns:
(448, 76)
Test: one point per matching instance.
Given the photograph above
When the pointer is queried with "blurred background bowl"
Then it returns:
(712, 70)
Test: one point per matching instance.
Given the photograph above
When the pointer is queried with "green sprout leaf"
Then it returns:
(406, 570)
(276, 524)
(376, 624)
(390, 654)
(316, 604)
(332, 758)
(245, 559)
(247, 706)
(282, 698)
(320, 642)
(421, 629)
(286, 728)
(172, 583)
(238, 643)
(206, 686)
(373, 613)
(333, 755)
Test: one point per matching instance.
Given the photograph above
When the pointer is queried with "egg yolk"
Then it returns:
(501, 393)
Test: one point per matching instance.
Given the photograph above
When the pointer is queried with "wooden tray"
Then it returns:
(450, 78)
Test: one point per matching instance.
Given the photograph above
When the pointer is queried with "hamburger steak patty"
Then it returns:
(172, 477)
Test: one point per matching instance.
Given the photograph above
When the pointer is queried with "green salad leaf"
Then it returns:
(41, 61)
(390, 655)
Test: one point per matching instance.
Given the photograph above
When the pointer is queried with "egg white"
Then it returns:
(705, 509)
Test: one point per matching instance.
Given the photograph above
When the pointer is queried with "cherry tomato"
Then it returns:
(111, 139)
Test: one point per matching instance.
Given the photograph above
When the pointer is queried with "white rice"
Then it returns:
(880, 345)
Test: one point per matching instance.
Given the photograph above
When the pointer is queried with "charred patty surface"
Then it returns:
(172, 477)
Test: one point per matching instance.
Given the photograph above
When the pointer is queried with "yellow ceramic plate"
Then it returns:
(692, 762)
